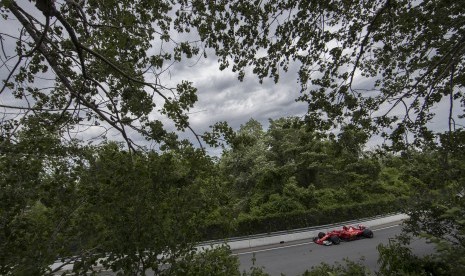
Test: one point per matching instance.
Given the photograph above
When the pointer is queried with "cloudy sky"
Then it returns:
(222, 97)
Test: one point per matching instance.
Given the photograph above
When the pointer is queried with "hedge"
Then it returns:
(249, 225)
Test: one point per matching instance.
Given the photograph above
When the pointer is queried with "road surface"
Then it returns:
(297, 257)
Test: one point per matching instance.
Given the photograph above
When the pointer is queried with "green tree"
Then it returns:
(38, 178)
(296, 150)
(438, 184)
(245, 163)
(148, 210)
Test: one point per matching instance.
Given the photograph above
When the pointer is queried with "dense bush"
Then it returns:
(348, 268)
(249, 225)
(213, 261)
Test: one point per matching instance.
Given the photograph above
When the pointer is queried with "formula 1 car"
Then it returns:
(348, 233)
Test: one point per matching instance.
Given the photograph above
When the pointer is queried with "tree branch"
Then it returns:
(370, 28)
(53, 63)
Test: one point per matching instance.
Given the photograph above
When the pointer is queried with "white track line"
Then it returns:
(294, 245)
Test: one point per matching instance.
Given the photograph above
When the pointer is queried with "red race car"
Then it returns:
(348, 233)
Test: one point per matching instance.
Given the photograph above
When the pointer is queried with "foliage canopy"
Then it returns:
(383, 65)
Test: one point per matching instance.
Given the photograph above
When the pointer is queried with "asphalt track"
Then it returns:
(297, 257)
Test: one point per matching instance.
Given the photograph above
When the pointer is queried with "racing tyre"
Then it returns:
(321, 235)
(367, 233)
(335, 240)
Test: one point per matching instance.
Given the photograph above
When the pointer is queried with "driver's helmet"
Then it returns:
(345, 227)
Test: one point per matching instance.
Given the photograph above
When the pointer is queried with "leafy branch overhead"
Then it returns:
(100, 55)
(384, 64)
